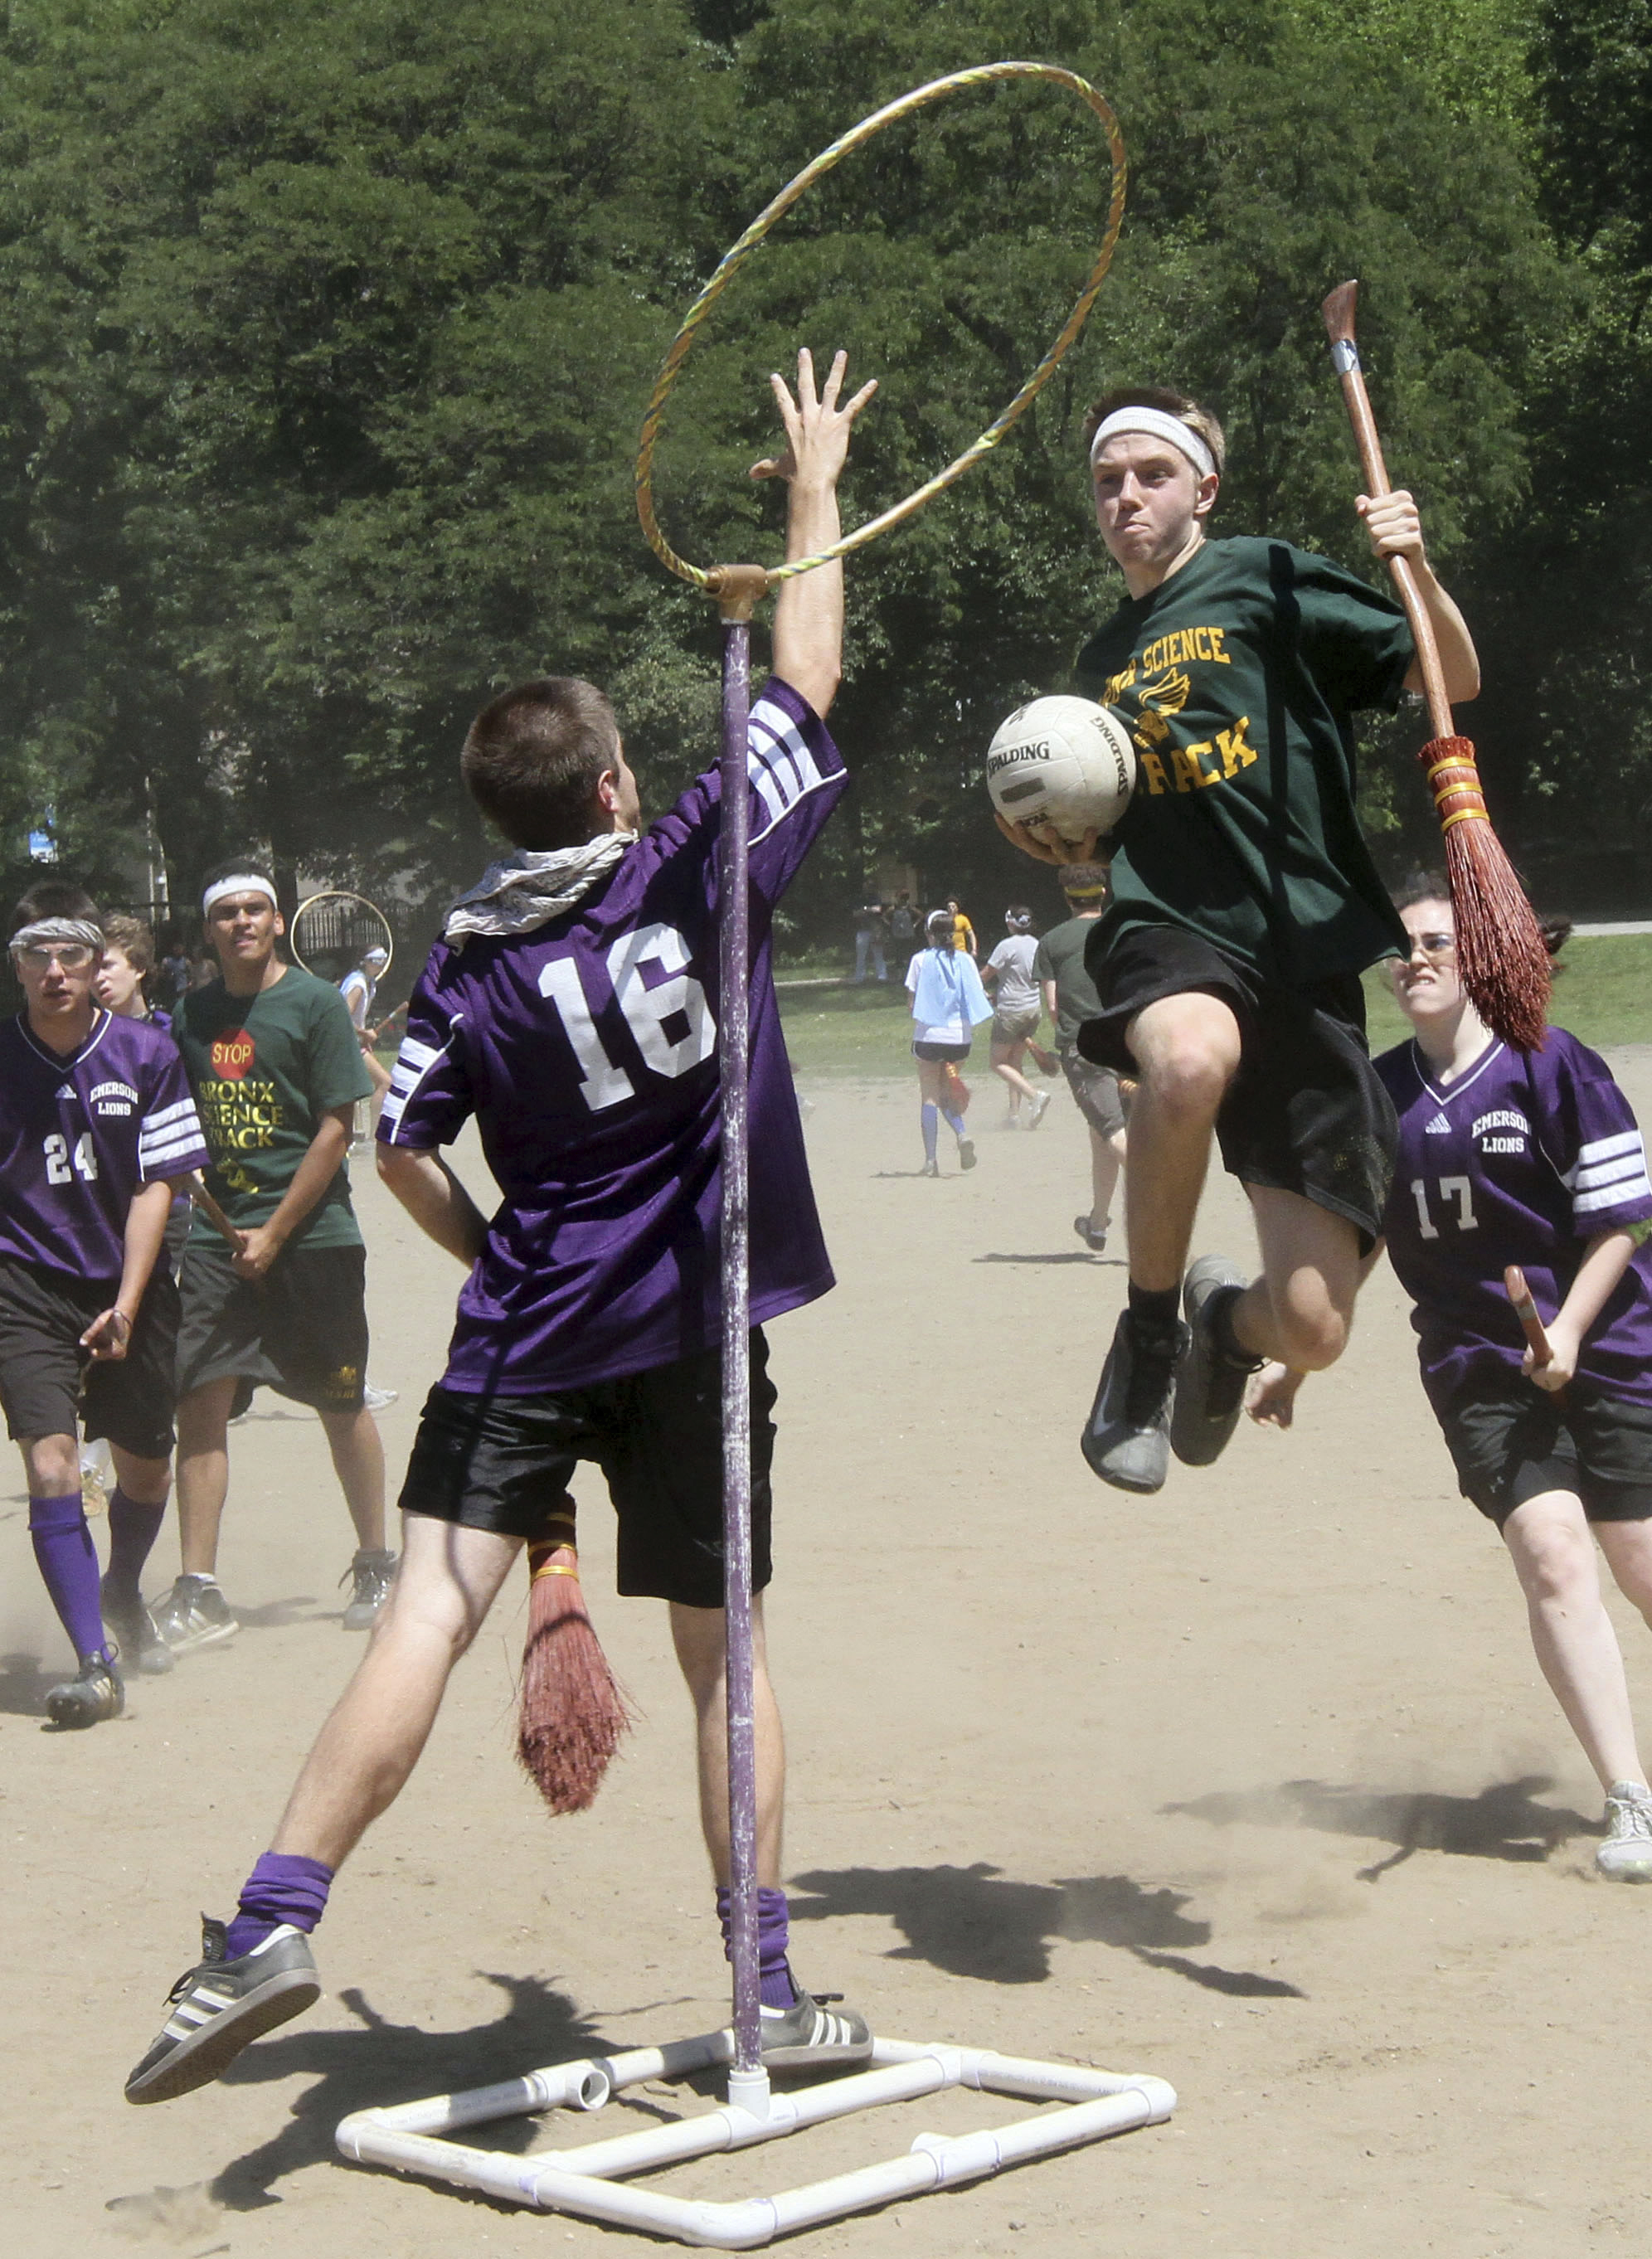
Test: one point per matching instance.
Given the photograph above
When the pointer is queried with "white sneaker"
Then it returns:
(377, 1400)
(1626, 1853)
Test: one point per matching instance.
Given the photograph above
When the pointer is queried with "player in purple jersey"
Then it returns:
(571, 1008)
(97, 1125)
(1531, 1158)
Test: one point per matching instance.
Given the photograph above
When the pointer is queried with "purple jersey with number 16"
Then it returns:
(80, 1133)
(1524, 1159)
(587, 1051)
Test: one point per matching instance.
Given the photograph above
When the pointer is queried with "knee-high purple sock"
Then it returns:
(284, 1886)
(67, 1562)
(778, 1989)
(133, 1529)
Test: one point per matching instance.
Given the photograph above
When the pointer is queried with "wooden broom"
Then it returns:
(1500, 952)
(571, 1715)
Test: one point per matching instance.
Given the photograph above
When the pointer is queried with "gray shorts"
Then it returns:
(1096, 1088)
(1015, 1027)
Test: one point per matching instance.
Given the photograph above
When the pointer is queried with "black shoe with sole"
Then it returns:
(92, 1695)
(141, 1643)
(1126, 1439)
(810, 2036)
(219, 2006)
(1210, 1381)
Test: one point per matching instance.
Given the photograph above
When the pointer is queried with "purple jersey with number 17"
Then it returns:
(1524, 1159)
(587, 1051)
(79, 1133)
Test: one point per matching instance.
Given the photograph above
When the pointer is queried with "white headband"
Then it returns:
(1158, 425)
(43, 932)
(245, 882)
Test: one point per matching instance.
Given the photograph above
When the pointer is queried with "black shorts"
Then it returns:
(502, 1462)
(1307, 1112)
(1512, 1441)
(301, 1329)
(932, 1051)
(1096, 1089)
(47, 1381)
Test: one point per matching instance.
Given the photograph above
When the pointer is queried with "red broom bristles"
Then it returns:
(1500, 954)
(571, 1715)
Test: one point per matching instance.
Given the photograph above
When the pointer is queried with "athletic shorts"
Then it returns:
(1307, 1112)
(48, 1382)
(933, 1052)
(1512, 1441)
(301, 1329)
(502, 1462)
(1096, 1089)
(1015, 1027)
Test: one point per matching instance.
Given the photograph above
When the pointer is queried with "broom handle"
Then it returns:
(1519, 1294)
(214, 1214)
(1338, 314)
(739, 588)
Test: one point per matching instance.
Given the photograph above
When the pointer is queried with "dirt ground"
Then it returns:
(1254, 1785)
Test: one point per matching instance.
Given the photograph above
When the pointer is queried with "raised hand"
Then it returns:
(816, 427)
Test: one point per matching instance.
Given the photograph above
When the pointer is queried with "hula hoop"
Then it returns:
(730, 265)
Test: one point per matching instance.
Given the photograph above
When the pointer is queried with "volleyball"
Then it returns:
(1064, 765)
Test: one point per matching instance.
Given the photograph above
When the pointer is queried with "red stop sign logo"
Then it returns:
(232, 1056)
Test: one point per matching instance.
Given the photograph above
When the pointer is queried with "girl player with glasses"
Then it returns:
(1534, 1159)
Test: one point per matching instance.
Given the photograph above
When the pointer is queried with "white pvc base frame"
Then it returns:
(585, 2180)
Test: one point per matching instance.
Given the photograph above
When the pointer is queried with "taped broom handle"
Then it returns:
(214, 1214)
(1338, 314)
(1519, 1294)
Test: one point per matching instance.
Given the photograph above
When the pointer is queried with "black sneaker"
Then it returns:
(1126, 1439)
(370, 1575)
(807, 2036)
(92, 1695)
(1210, 1383)
(194, 1614)
(1094, 1237)
(220, 2005)
(140, 1644)
(966, 1153)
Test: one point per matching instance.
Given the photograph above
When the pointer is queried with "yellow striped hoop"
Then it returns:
(936, 90)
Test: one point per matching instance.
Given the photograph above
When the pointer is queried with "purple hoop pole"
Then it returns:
(734, 955)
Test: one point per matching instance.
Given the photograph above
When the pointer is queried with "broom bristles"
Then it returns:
(571, 1715)
(1500, 954)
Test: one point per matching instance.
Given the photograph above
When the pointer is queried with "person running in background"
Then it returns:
(97, 1124)
(1017, 1007)
(127, 973)
(1245, 906)
(589, 1324)
(871, 932)
(1070, 998)
(963, 931)
(276, 1071)
(1532, 1158)
(948, 1003)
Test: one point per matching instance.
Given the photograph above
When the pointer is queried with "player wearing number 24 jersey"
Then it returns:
(588, 1051)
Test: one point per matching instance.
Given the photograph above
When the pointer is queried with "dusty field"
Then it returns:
(1254, 1785)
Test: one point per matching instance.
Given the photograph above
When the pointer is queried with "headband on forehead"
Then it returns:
(1156, 424)
(244, 883)
(45, 931)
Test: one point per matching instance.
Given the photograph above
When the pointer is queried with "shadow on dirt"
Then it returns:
(972, 1922)
(1504, 1822)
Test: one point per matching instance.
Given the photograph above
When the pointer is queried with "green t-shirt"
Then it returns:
(1238, 676)
(1060, 958)
(265, 1069)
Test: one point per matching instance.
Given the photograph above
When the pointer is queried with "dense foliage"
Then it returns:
(326, 328)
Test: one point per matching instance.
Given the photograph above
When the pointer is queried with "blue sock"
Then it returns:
(955, 1123)
(930, 1115)
(133, 1529)
(284, 1886)
(778, 1988)
(67, 1563)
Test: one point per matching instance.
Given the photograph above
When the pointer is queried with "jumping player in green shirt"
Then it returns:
(1245, 907)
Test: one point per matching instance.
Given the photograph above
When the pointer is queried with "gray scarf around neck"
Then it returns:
(530, 888)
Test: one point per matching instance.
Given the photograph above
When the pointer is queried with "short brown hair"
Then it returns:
(1168, 403)
(55, 898)
(134, 940)
(532, 760)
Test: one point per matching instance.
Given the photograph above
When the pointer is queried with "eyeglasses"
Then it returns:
(67, 956)
(1435, 944)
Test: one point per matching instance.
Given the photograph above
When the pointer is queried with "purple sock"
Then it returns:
(67, 1563)
(283, 1887)
(133, 1529)
(777, 1987)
